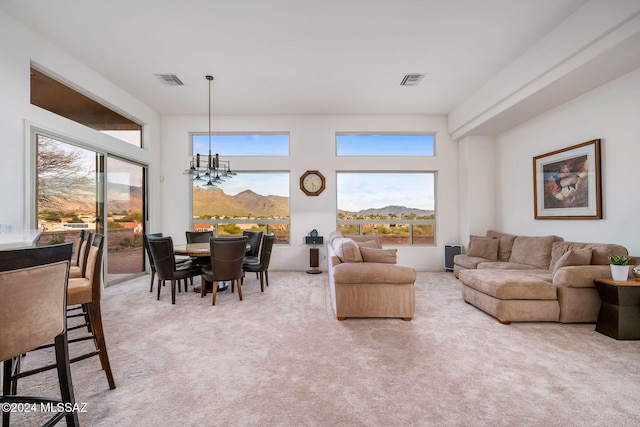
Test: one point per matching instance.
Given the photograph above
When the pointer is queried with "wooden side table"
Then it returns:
(619, 315)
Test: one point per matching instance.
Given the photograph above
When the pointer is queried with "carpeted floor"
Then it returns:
(280, 358)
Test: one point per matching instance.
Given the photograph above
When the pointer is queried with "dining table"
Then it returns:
(201, 252)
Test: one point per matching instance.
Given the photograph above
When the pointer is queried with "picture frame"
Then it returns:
(566, 183)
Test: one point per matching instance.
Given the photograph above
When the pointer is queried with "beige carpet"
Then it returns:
(280, 358)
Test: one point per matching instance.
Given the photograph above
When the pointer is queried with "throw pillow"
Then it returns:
(506, 243)
(573, 257)
(484, 247)
(368, 244)
(347, 250)
(388, 256)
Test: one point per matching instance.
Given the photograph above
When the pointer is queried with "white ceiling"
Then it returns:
(295, 56)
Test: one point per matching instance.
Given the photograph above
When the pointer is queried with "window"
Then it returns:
(60, 99)
(235, 144)
(70, 196)
(398, 206)
(255, 201)
(385, 144)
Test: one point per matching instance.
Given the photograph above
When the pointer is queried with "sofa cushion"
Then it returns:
(511, 284)
(334, 235)
(502, 265)
(373, 273)
(599, 251)
(506, 243)
(387, 256)
(346, 249)
(466, 261)
(533, 250)
(573, 257)
(367, 244)
(483, 247)
(365, 238)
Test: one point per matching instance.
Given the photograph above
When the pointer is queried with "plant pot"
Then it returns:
(619, 273)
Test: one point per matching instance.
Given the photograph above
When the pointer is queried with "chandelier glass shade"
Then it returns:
(208, 169)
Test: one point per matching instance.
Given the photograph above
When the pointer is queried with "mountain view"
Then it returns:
(387, 211)
(245, 204)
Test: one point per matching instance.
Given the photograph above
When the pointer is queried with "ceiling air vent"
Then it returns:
(170, 79)
(412, 79)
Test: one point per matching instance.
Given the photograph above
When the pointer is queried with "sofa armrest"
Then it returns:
(580, 276)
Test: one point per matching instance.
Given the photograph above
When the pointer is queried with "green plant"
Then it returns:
(619, 259)
(57, 240)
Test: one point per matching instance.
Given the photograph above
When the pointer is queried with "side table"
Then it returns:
(314, 253)
(619, 315)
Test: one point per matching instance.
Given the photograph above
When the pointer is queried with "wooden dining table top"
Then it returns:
(196, 249)
(193, 249)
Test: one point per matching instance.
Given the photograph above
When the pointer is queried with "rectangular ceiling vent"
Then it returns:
(170, 79)
(412, 79)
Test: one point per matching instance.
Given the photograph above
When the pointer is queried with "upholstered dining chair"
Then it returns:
(198, 236)
(33, 293)
(78, 269)
(255, 239)
(227, 256)
(166, 267)
(262, 266)
(87, 291)
(179, 258)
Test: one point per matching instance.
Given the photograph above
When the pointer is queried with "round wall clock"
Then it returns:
(312, 183)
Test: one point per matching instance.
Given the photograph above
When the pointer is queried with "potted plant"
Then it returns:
(619, 267)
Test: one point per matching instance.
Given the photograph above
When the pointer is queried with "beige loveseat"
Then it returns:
(534, 278)
(365, 281)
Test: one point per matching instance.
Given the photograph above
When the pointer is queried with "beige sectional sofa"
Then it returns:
(366, 281)
(534, 278)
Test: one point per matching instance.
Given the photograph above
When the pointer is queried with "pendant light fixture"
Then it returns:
(212, 171)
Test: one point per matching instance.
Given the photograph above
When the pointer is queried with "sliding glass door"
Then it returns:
(78, 188)
(125, 218)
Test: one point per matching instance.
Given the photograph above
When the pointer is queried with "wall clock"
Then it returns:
(312, 183)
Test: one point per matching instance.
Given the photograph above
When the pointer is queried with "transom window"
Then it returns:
(385, 144)
(237, 144)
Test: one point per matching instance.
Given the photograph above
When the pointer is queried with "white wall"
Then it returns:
(610, 113)
(312, 146)
(20, 48)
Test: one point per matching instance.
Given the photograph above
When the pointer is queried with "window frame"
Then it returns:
(410, 223)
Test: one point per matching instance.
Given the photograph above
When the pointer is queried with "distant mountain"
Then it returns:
(398, 211)
(216, 202)
(123, 198)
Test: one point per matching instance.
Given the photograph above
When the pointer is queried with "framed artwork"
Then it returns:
(566, 183)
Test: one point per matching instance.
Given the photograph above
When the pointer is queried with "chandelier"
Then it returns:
(210, 169)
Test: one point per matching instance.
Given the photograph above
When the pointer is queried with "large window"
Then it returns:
(255, 201)
(398, 206)
(385, 144)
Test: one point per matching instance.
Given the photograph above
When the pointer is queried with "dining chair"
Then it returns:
(262, 267)
(87, 291)
(227, 256)
(33, 293)
(166, 266)
(198, 236)
(179, 258)
(255, 239)
(79, 268)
